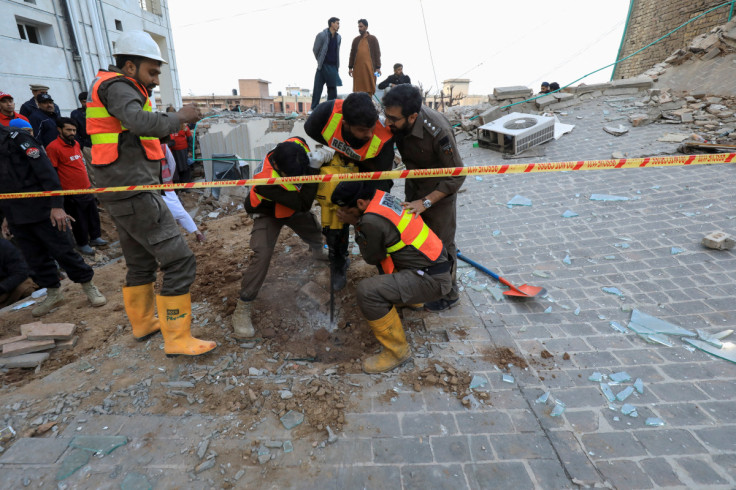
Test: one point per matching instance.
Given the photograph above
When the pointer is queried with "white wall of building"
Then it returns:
(95, 27)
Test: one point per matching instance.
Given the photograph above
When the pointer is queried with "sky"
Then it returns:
(490, 42)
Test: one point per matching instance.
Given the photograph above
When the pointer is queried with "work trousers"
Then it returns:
(263, 238)
(378, 294)
(42, 244)
(86, 226)
(182, 173)
(442, 220)
(319, 81)
(150, 239)
(21, 291)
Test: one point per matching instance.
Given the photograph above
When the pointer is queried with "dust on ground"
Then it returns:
(503, 356)
(297, 362)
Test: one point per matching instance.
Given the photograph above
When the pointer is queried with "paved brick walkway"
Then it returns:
(428, 440)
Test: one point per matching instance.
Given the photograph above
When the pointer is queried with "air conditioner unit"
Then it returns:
(516, 132)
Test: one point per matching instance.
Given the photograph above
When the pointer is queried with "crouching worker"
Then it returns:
(272, 207)
(415, 264)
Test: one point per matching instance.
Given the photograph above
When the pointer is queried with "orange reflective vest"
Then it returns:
(332, 133)
(104, 129)
(412, 228)
(266, 171)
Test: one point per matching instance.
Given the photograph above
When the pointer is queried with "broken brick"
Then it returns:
(48, 331)
(26, 346)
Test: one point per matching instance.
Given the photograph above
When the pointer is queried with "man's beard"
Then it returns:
(69, 141)
(353, 141)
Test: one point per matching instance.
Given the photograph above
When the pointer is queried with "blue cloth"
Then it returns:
(331, 56)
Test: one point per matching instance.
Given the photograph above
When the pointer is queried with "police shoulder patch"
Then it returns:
(446, 145)
(33, 152)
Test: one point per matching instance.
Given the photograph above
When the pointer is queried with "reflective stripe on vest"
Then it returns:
(104, 129)
(332, 133)
(266, 171)
(412, 228)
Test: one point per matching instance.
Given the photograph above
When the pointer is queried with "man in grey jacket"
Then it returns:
(327, 52)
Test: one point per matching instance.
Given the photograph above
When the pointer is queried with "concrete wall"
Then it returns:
(55, 63)
(651, 19)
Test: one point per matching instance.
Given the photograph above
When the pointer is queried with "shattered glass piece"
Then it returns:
(612, 290)
(478, 287)
(625, 393)
(596, 376)
(577, 311)
(569, 214)
(471, 402)
(75, 460)
(478, 382)
(706, 337)
(613, 408)
(728, 352)
(621, 245)
(676, 250)
(655, 187)
(99, 444)
(609, 257)
(518, 200)
(634, 414)
(627, 409)
(496, 232)
(608, 392)
(540, 274)
(496, 292)
(24, 304)
(558, 409)
(620, 377)
(601, 317)
(658, 338)
(616, 419)
(548, 310)
(288, 446)
(654, 422)
(656, 325)
(618, 327)
(639, 385)
(722, 334)
(291, 419)
(135, 481)
(479, 178)
(567, 260)
(542, 399)
(607, 197)
(507, 378)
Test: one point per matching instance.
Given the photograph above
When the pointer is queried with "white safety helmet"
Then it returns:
(138, 43)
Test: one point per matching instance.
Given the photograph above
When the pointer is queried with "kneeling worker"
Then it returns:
(416, 266)
(272, 207)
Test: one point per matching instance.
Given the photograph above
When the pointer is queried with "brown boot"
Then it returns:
(53, 299)
(139, 305)
(176, 320)
(242, 323)
(390, 334)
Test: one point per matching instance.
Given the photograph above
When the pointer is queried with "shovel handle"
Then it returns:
(488, 271)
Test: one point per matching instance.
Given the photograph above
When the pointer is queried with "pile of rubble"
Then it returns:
(29, 349)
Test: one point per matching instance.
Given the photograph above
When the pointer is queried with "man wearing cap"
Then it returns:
(7, 109)
(43, 120)
(66, 157)
(359, 142)
(416, 266)
(40, 224)
(31, 105)
(80, 117)
(425, 140)
(273, 207)
(126, 151)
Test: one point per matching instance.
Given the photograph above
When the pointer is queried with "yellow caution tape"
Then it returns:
(517, 168)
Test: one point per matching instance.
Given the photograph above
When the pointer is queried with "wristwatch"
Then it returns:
(427, 203)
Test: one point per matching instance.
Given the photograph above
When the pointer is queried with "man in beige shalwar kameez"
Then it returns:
(365, 60)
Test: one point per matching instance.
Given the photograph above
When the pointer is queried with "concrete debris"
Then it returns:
(717, 240)
(619, 130)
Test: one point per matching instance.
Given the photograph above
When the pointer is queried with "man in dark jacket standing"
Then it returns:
(43, 120)
(364, 64)
(326, 51)
(39, 225)
(31, 105)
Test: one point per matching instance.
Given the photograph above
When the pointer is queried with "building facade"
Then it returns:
(62, 44)
(648, 20)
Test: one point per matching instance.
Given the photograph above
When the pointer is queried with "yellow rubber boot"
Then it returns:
(390, 334)
(139, 302)
(176, 314)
